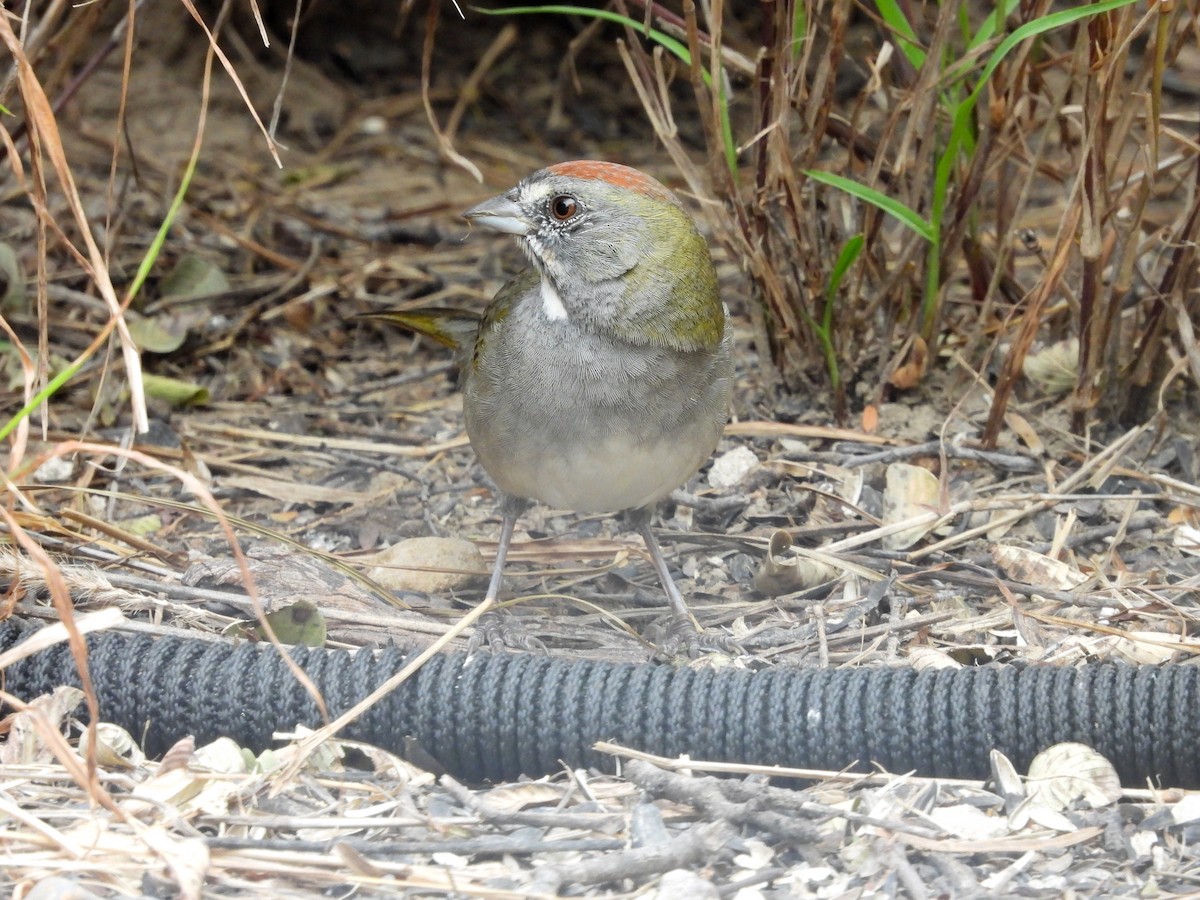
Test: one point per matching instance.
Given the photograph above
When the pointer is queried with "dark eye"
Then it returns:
(563, 207)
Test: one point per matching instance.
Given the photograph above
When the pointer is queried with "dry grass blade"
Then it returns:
(1030, 323)
(787, 232)
(193, 485)
(44, 130)
(310, 743)
(53, 634)
(1002, 204)
(444, 139)
(228, 66)
(85, 775)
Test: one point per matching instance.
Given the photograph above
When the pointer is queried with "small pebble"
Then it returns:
(730, 468)
(373, 126)
(56, 470)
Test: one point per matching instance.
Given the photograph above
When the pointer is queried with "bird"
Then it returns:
(598, 378)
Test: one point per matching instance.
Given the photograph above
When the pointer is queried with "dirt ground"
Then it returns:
(328, 438)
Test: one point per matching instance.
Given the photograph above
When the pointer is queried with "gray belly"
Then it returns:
(578, 425)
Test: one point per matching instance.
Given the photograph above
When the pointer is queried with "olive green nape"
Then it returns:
(690, 316)
(705, 327)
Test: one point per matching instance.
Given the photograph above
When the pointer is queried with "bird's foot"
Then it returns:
(498, 632)
(678, 636)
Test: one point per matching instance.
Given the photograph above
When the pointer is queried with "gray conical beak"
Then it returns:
(500, 214)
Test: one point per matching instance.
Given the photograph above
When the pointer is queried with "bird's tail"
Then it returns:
(453, 328)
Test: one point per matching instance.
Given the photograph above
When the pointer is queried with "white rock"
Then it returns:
(428, 564)
(373, 126)
(56, 470)
(730, 468)
(681, 883)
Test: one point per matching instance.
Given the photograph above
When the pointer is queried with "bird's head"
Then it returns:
(616, 250)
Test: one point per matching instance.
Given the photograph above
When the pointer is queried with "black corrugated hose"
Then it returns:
(499, 716)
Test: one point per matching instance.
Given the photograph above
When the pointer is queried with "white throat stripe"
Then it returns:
(552, 304)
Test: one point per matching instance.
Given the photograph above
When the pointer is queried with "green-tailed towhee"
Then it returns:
(597, 379)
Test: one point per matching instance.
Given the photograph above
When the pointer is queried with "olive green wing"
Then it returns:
(500, 308)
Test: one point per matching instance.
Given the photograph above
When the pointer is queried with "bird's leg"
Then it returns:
(492, 630)
(510, 508)
(640, 519)
(683, 633)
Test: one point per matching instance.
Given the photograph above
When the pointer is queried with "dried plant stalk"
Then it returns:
(1057, 113)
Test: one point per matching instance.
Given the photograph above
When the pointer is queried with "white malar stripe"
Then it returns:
(552, 304)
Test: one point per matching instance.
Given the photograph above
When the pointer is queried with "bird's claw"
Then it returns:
(497, 633)
(678, 636)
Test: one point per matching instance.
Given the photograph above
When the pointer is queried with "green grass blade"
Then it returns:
(906, 38)
(40, 397)
(160, 238)
(962, 136)
(727, 142)
(869, 195)
(678, 48)
(960, 133)
(847, 258)
(1041, 26)
(841, 266)
(799, 28)
(54, 384)
(991, 26)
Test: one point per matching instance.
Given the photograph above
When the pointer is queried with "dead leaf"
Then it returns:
(969, 822)
(1071, 774)
(1025, 431)
(282, 574)
(115, 747)
(191, 787)
(1187, 539)
(193, 276)
(1040, 814)
(1185, 515)
(156, 334)
(1000, 523)
(151, 523)
(911, 491)
(287, 491)
(1008, 783)
(1149, 648)
(176, 391)
(837, 492)
(921, 657)
(783, 573)
(516, 797)
(1186, 810)
(299, 624)
(870, 418)
(1029, 567)
(25, 745)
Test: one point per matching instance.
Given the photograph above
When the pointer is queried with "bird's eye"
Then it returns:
(563, 207)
